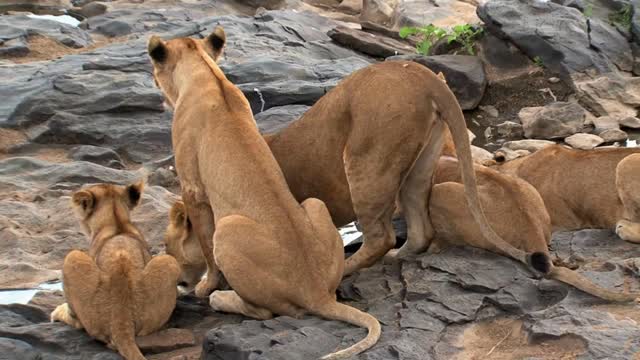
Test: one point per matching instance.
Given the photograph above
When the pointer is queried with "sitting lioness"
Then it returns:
(513, 207)
(117, 291)
(585, 188)
(278, 256)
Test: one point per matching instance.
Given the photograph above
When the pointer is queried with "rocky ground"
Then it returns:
(79, 106)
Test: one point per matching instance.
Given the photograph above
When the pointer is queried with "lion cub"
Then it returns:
(116, 291)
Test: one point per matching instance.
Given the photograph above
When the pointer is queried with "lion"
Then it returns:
(585, 188)
(514, 209)
(278, 256)
(519, 217)
(116, 291)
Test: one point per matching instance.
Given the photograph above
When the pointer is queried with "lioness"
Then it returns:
(513, 207)
(375, 138)
(277, 255)
(585, 188)
(116, 291)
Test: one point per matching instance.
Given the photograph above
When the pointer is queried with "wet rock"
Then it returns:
(613, 135)
(464, 74)
(279, 117)
(527, 144)
(20, 27)
(375, 45)
(556, 120)
(609, 94)
(98, 155)
(557, 34)
(584, 141)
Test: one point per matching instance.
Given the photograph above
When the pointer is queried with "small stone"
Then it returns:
(630, 122)
(487, 133)
(554, 80)
(490, 110)
(584, 141)
(528, 144)
(510, 129)
(613, 135)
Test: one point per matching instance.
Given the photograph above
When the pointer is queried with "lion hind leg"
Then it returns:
(628, 231)
(414, 195)
(229, 301)
(155, 293)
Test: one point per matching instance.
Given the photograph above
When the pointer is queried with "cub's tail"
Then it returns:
(122, 323)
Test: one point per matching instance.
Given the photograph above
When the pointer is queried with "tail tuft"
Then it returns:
(540, 261)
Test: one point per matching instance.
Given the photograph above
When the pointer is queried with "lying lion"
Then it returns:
(277, 255)
(514, 209)
(115, 292)
(519, 217)
(585, 188)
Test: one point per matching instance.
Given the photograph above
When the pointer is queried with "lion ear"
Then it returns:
(215, 42)
(134, 193)
(84, 202)
(178, 214)
(157, 49)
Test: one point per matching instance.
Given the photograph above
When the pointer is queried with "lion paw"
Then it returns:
(64, 314)
(628, 231)
(205, 287)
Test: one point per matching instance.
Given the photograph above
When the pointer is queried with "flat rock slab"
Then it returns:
(20, 27)
(464, 74)
(375, 45)
(426, 304)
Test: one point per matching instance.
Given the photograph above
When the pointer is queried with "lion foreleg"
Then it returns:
(64, 314)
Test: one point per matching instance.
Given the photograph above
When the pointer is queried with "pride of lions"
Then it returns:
(260, 212)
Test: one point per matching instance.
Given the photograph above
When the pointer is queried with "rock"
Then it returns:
(17, 349)
(584, 141)
(98, 155)
(554, 80)
(464, 74)
(490, 110)
(21, 27)
(480, 155)
(123, 22)
(606, 122)
(92, 9)
(53, 7)
(267, 4)
(558, 35)
(635, 22)
(279, 117)
(527, 144)
(609, 94)
(613, 135)
(165, 340)
(378, 46)
(351, 6)
(442, 13)
(502, 60)
(510, 129)
(163, 177)
(630, 122)
(378, 11)
(556, 120)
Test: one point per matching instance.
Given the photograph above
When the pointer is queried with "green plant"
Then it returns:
(622, 16)
(430, 34)
(538, 61)
(465, 35)
(588, 10)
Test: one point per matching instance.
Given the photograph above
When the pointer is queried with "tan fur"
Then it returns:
(585, 188)
(514, 209)
(116, 291)
(278, 256)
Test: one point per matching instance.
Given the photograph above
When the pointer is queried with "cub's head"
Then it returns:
(182, 243)
(103, 205)
(175, 60)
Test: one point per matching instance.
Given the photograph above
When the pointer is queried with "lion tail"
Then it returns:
(337, 311)
(122, 322)
(573, 278)
(449, 111)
